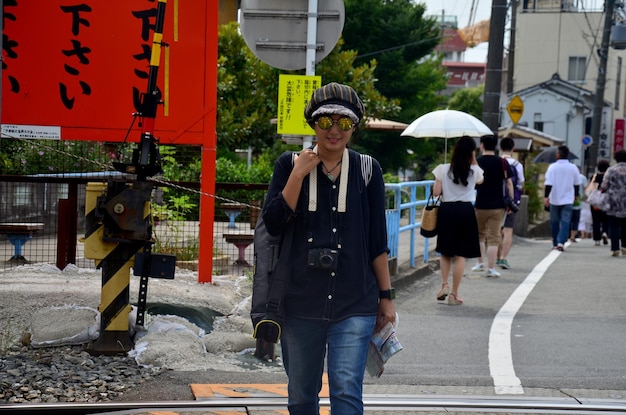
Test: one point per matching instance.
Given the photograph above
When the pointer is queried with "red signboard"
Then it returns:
(75, 70)
(618, 141)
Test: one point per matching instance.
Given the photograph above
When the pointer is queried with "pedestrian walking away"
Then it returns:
(457, 228)
(599, 220)
(614, 184)
(561, 189)
(516, 172)
(490, 203)
(339, 292)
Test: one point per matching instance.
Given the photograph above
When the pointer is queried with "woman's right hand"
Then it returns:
(305, 162)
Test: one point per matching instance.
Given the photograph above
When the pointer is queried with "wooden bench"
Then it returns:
(18, 234)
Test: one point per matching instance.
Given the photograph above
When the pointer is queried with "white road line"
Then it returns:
(505, 380)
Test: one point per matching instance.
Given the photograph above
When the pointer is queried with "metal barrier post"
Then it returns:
(114, 304)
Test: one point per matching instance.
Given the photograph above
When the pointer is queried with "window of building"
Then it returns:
(576, 69)
(537, 122)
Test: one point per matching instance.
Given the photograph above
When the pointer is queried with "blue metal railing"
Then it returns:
(403, 197)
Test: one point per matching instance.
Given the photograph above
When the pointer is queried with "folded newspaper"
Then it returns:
(383, 345)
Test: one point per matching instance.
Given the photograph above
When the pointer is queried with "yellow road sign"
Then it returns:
(515, 109)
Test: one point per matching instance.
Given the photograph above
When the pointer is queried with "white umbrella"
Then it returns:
(446, 124)
(381, 124)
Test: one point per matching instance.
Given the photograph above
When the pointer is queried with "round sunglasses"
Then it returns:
(326, 123)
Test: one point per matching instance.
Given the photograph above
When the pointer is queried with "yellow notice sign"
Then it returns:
(294, 91)
(515, 109)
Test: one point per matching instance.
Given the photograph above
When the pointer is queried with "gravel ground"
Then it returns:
(39, 302)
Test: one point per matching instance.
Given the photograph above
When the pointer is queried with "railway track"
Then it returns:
(374, 404)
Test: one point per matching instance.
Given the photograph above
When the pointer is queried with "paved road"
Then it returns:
(561, 344)
(579, 290)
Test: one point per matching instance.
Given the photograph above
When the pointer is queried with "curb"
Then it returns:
(407, 275)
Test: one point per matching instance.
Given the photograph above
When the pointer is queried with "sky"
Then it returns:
(461, 9)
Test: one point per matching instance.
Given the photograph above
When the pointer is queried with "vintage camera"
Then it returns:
(323, 258)
(511, 205)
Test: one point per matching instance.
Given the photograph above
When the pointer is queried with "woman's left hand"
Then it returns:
(386, 313)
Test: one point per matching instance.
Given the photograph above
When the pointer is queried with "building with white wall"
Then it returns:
(555, 71)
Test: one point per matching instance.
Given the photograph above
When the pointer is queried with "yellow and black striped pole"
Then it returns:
(118, 228)
(114, 306)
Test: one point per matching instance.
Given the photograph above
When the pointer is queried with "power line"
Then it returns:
(398, 47)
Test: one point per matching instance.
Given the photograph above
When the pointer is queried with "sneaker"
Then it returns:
(615, 253)
(560, 247)
(605, 239)
(493, 273)
(504, 264)
(478, 267)
(597, 243)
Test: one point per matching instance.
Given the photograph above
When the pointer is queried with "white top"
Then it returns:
(452, 192)
(520, 170)
(562, 176)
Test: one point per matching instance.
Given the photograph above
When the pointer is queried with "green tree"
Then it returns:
(468, 100)
(248, 91)
(400, 40)
(247, 94)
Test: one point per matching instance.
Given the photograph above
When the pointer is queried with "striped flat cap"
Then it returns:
(334, 94)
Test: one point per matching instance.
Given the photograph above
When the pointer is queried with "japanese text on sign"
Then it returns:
(294, 91)
(81, 67)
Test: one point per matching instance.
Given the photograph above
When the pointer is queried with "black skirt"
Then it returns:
(457, 230)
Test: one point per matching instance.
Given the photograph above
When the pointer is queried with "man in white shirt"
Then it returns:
(561, 189)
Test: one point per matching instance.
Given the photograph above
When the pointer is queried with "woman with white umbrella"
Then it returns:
(457, 228)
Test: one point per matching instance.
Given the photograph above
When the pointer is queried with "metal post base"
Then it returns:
(111, 343)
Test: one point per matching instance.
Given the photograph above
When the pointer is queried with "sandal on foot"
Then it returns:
(454, 299)
(443, 292)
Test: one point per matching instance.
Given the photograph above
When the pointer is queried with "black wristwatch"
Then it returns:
(390, 294)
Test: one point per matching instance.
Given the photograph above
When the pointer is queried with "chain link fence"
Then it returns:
(42, 204)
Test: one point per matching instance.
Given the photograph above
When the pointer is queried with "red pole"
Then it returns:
(209, 150)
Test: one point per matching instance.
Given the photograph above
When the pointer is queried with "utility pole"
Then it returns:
(493, 81)
(598, 103)
(511, 64)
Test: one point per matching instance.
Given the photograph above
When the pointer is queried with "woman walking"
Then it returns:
(614, 183)
(600, 223)
(457, 237)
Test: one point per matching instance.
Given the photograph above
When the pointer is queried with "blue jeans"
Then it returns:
(560, 218)
(304, 349)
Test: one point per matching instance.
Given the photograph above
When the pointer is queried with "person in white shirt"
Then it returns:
(457, 228)
(561, 190)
